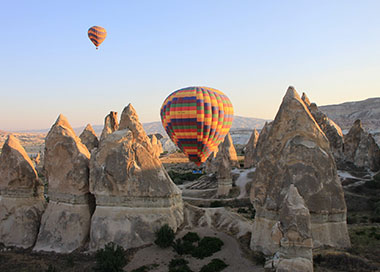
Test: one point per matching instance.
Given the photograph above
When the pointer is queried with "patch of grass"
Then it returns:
(70, 261)
(342, 261)
(365, 241)
(377, 177)
(179, 265)
(164, 236)
(111, 258)
(372, 184)
(207, 246)
(215, 265)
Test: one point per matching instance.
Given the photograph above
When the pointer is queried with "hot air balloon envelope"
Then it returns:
(97, 34)
(197, 119)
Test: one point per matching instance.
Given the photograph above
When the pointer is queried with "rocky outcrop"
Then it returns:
(360, 148)
(39, 163)
(332, 131)
(228, 150)
(134, 194)
(129, 120)
(156, 145)
(297, 152)
(294, 235)
(223, 174)
(259, 151)
(65, 224)
(211, 167)
(306, 100)
(250, 150)
(345, 114)
(21, 196)
(110, 125)
(88, 138)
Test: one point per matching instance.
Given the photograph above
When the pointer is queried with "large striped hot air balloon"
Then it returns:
(97, 34)
(197, 119)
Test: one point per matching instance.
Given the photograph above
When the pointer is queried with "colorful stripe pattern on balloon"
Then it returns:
(97, 34)
(197, 119)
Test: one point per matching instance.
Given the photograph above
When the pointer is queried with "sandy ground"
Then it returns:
(231, 254)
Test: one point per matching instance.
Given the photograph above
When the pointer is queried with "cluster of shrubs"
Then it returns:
(180, 177)
(190, 244)
(111, 258)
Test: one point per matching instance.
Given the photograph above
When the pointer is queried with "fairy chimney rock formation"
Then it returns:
(228, 149)
(306, 99)
(332, 131)
(88, 138)
(21, 196)
(360, 148)
(66, 222)
(259, 152)
(250, 150)
(110, 125)
(156, 145)
(297, 152)
(223, 173)
(134, 194)
(295, 252)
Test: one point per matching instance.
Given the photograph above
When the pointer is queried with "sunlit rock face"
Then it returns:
(21, 196)
(65, 224)
(360, 148)
(156, 145)
(134, 194)
(250, 150)
(297, 152)
(88, 138)
(110, 125)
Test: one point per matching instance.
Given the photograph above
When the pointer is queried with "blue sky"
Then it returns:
(250, 50)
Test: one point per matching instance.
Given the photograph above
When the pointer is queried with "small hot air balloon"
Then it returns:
(197, 119)
(97, 34)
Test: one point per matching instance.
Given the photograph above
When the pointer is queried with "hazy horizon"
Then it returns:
(252, 51)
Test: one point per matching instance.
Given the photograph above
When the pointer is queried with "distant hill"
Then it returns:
(345, 114)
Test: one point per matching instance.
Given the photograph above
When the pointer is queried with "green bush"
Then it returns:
(258, 257)
(191, 237)
(111, 258)
(164, 236)
(179, 265)
(143, 268)
(207, 246)
(51, 268)
(215, 265)
(178, 178)
(216, 204)
(242, 210)
(372, 184)
(183, 247)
